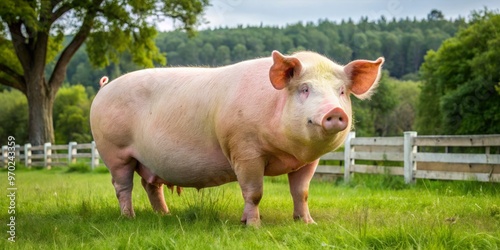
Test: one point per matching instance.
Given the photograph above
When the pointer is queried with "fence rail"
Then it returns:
(478, 157)
(49, 155)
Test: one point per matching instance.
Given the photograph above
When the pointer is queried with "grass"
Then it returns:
(78, 210)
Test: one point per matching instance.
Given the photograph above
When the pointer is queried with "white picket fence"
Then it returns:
(49, 155)
(411, 156)
(406, 156)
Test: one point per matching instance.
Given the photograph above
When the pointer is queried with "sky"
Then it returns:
(231, 13)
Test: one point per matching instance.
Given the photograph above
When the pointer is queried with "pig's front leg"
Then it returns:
(250, 174)
(299, 188)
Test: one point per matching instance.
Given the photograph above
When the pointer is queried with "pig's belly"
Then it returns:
(185, 167)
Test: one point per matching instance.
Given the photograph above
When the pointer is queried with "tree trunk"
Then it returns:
(40, 105)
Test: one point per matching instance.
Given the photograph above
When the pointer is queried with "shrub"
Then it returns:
(79, 167)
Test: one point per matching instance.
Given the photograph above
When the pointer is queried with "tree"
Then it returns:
(223, 55)
(189, 52)
(207, 54)
(435, 15)
(13, 115)
(428, 112)
(372, 118)
(32, 31)
(239, 52)
(403, 116)
(458, 93)
(71, 115)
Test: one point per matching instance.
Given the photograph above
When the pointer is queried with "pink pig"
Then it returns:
(203, 127)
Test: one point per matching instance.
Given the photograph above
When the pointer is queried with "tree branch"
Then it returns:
(59, 12)
(14, 84)
(12, 73)
(18, 40)
(53, 3)
(59, 72)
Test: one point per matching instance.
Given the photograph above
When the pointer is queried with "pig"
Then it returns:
(203, 127)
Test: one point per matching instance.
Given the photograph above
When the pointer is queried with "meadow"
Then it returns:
(57, 209)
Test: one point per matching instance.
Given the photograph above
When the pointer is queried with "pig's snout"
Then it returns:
(335, 121)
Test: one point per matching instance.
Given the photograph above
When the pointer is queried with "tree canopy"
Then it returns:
(458, 93)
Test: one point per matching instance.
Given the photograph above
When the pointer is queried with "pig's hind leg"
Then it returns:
(122, 179)
(154, 188)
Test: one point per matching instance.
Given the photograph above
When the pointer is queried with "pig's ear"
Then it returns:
(283, 69)
(364, 76)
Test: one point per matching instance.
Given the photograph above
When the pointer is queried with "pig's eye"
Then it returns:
(304, 91)
(342, 91)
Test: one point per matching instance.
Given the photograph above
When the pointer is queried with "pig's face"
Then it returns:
(317, 111)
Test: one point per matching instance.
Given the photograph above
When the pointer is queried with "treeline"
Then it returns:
(402, 42)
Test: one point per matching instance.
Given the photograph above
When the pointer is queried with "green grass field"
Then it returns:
(59, 210)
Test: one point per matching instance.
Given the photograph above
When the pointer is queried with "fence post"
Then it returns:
(410, 166)
(27, 155)
(18, 153)
(95, 159)
(5, 154)
(348, 161)
(47, 153)
(72, 152)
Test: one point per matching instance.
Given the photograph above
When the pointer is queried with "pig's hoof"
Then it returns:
(311, 222)
(307, 220)
(162, 212)
(255, 223)
(127, 213)
(127, 216)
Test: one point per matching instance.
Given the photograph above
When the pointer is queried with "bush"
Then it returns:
(101, 170)
(79, 167)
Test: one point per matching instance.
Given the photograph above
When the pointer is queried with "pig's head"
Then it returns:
(317, 112)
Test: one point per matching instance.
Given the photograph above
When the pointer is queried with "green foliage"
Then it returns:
(391, 110)
(79, 167)
(101, 170)
(458, 92)
(128, 29)
(435, 15)
(71, 115)
(402, 42)
(80, 70)
(13, 116)
(404, 114)
(472, 108)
